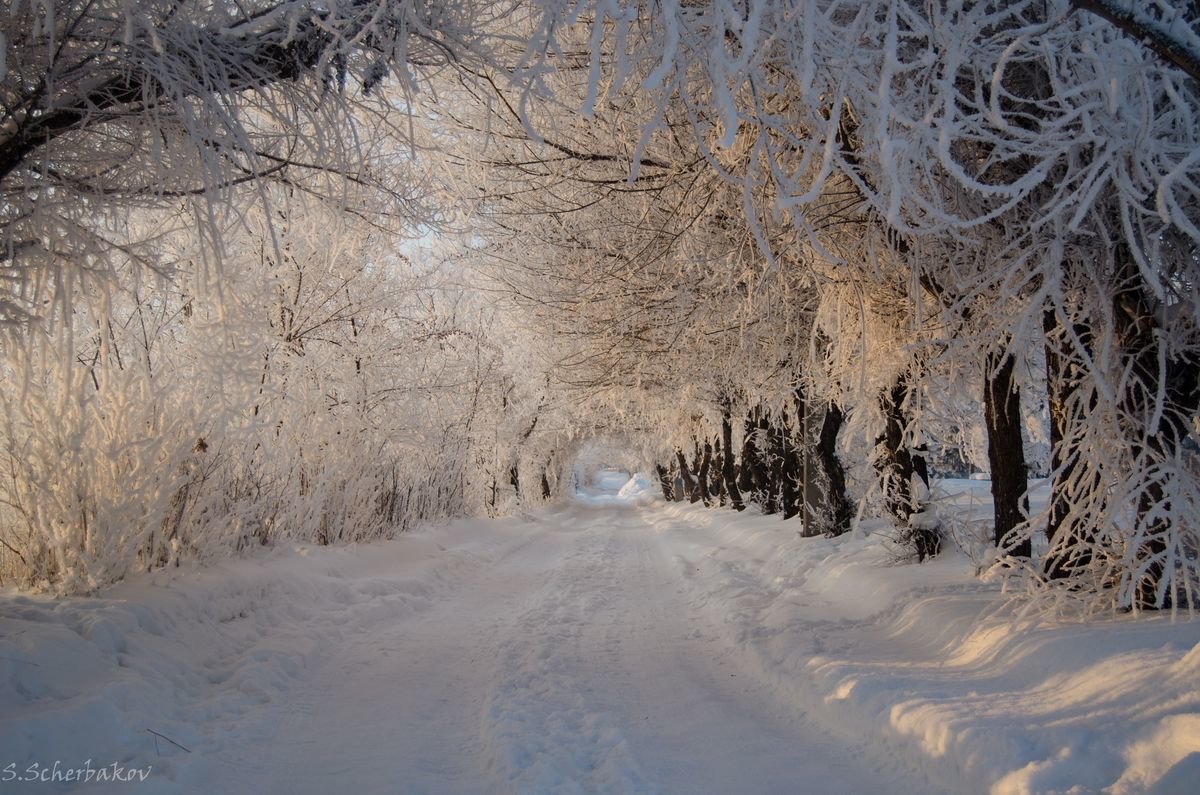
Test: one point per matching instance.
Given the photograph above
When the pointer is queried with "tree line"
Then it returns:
(793, 248)
(926, 224)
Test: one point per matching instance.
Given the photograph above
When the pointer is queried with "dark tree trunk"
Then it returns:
(897, 467)
(690, 490)
(801, 447)
(702, 473)
(728, 467)
(514, 474)
(788, 468)
(838, 506)
(514, 477)
(920, 465)
(898, 463)
(1006, 450)
(756, 475)
(716, 479)
(666, 482)
(1156, 436)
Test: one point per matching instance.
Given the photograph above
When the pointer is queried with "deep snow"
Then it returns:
(612, 643)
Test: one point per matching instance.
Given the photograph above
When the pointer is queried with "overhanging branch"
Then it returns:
(1147, 31)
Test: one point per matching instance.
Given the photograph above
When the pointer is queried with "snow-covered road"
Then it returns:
(574, 662)
(607, 644)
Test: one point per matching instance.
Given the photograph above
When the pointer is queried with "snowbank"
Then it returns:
(939, 666)
(160, 671)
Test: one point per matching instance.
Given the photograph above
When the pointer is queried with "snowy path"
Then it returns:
(573, 663)
(601, 645)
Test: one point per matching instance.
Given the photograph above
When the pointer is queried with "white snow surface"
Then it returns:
(613, 643)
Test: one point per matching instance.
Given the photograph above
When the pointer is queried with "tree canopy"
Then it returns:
(334, 268)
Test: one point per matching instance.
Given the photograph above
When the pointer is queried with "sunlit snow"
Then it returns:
(610, 643)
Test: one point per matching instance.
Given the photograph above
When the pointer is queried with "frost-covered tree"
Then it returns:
(330, 394)
(1031, 166)
(207, 341)
(109, 106)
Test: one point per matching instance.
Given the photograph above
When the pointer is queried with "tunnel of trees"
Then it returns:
(277, 269)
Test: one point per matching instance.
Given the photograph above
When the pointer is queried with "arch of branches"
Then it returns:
(279, 269)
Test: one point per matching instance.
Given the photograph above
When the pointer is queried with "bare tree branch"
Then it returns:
(1146, 31)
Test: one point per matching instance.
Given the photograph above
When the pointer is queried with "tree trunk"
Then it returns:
(755, 476)
(716, 478)
(690, 489)
(728, 467)
(839, 510)
(807, 465)
(1156, 434)
(1006, 450)
(666, 482)
(514, 477)
(898, 466)
(702, 474)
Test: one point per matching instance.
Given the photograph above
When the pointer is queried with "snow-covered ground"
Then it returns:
(610, 644)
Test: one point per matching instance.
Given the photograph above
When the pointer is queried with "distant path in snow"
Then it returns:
(574, 662)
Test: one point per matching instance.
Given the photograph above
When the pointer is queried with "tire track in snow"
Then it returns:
(575, 660)
(395, 707)
(614, 683)
(547, 732)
